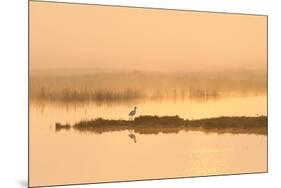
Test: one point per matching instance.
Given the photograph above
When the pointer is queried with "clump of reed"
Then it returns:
(173, 124)
(108, 87)
(72, 95)
(163, 120)
(60, 126)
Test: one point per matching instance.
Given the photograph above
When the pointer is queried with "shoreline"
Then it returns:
(173, 124)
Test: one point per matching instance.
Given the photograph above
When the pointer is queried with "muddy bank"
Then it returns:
(172, 124)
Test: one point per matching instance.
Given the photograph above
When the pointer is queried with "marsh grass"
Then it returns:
(120, 87)
(60, 126)
(174, 124)
(68, 95)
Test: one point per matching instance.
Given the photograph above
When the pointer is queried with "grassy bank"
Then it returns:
(174, 124)
(124, 87)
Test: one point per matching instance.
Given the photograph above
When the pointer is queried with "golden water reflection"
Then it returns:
(188, 109)
(71, 157)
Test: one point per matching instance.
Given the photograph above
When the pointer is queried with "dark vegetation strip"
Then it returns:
(173, 124)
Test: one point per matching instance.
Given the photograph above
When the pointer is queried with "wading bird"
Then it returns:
(133, 112)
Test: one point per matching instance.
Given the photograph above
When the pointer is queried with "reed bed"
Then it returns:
(174, 124)
(108, 87)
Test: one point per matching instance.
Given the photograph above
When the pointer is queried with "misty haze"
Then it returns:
(121, 93)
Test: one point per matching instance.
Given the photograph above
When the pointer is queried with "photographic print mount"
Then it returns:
(66, 119)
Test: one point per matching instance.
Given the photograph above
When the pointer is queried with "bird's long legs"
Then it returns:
(131, 118)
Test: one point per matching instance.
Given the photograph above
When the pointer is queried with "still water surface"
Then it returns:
(69, 156)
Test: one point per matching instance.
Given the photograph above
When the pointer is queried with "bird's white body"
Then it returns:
(133, 112)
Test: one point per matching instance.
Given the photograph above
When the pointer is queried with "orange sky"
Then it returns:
(91, 36)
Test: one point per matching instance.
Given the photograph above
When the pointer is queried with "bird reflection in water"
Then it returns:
(132, 136)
